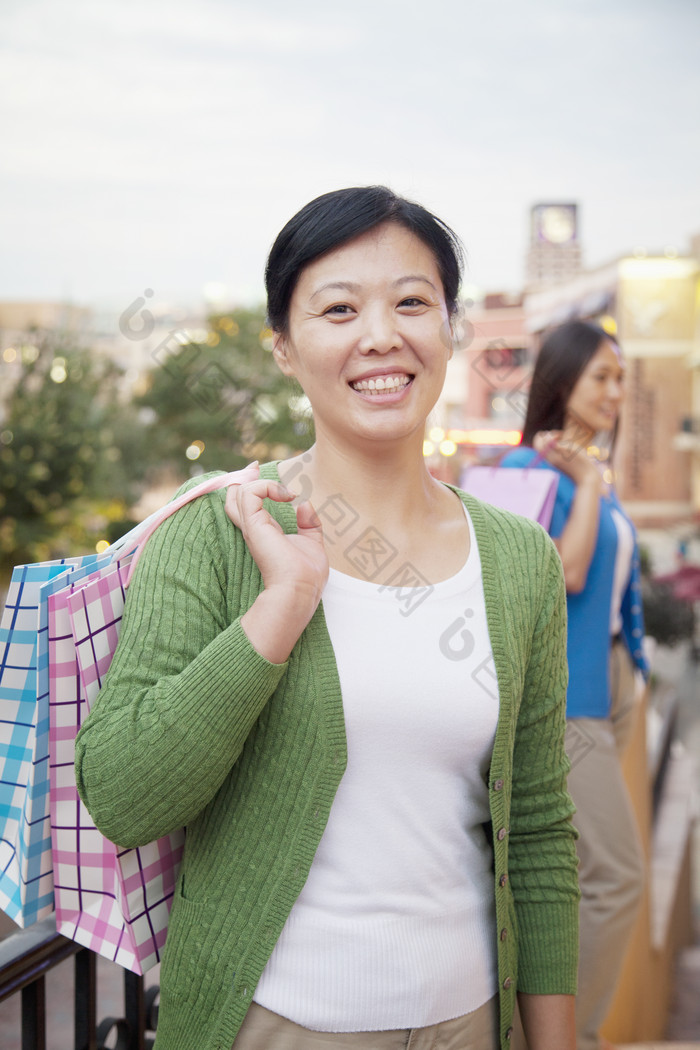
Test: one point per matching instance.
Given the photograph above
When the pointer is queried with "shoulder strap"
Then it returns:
(138, 537)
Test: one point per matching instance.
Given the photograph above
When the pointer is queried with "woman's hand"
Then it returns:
(294, 567)
(567, 455)
(576, 542)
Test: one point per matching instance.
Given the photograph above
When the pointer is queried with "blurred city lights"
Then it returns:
(228, 325)
(485, 437)
(58, 371)
(195, 450)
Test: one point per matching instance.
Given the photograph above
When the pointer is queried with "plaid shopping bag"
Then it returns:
(115, 901)
(26, 883)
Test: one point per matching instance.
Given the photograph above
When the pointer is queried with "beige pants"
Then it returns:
(264, 1030)
(611, 870)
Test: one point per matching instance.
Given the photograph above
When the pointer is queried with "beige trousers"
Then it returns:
(264, 1030)
(611, 868)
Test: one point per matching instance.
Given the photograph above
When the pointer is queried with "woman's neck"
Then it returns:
(379, 485)
(382, 513)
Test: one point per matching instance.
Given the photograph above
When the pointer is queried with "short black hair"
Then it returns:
(337, 217)
(563, 356)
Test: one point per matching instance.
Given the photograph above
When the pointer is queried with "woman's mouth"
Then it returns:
(389, 384)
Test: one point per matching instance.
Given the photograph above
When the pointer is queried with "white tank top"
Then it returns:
(395, 927)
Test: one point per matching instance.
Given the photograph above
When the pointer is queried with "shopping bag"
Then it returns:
(528, 491)
(96, 609)
(115, 901)
(26, 883)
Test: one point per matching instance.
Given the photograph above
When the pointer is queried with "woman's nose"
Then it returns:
(616, 389)
(380, 332)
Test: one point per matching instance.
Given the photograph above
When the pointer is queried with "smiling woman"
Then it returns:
(368, 351)
(575, 398)
(354, 704)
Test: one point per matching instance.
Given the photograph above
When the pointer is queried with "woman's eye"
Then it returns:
(412, 300)
(338, 309)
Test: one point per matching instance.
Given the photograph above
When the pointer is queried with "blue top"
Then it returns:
(588, 639)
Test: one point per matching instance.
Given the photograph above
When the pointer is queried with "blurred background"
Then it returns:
(151, 151)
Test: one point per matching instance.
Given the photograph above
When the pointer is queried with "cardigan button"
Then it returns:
(504, 934)
(501, 834)
(497, 785)
(509, 1033)
(503, 880)
(508, 981)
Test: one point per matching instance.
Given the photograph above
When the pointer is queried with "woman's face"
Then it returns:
(368, 336)
(595, 401)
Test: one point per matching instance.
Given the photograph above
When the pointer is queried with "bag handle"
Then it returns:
(136, 539)
(539, 457)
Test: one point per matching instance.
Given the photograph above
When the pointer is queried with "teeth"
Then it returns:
(380, 383)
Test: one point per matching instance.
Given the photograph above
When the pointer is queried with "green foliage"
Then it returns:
(225, 399)
(69, 457)
(76, 452)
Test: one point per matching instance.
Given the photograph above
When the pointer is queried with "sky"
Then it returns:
(162, 144)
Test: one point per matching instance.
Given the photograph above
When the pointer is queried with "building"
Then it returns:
(555, 250)
(652, 303)
(482, 406)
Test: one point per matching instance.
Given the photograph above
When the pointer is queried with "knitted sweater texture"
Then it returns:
(193, 727)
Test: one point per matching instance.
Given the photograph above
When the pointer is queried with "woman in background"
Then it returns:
(576, 393)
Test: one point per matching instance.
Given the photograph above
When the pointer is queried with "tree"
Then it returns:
(69, 452)
(220, 403)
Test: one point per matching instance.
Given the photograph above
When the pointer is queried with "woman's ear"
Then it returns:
(280, 353)
(452, 339)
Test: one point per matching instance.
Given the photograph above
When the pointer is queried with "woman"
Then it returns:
(357, 711)
(575, 397)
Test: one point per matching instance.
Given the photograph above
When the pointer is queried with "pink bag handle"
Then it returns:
(137, 539)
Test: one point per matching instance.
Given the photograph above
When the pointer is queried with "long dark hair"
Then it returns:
(563, 356)
(337, 217)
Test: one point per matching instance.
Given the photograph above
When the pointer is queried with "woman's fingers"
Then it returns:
(243, 501)
(546, 440)
(307, 518)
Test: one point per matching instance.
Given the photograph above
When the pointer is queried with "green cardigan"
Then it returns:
(193, 727)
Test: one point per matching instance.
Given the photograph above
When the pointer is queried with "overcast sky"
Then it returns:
(162, 143)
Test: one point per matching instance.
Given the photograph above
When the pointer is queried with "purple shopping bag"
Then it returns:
(523, 490)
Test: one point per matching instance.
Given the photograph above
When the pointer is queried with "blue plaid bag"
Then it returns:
(26, 874)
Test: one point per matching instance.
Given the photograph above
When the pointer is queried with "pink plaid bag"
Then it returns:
(115, 901)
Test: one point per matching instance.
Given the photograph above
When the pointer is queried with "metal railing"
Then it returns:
(25, 959)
